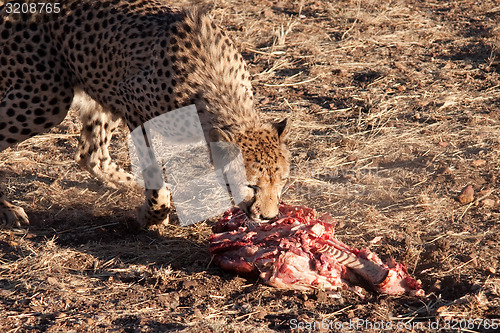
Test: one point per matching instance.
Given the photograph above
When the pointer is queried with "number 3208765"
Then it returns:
(25, 8)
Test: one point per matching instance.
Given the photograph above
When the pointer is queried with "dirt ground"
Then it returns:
(395, 108)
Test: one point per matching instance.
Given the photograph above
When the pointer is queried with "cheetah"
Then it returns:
(132, 61)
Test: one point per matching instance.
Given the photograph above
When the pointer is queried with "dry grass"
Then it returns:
(395, 108)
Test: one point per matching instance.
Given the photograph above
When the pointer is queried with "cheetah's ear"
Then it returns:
(282, 128)
(217, 134)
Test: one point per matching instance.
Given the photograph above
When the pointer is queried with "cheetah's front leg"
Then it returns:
(156, 209)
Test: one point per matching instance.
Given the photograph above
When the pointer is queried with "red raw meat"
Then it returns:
(296, 250)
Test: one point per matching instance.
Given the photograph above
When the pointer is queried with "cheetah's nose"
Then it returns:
(267, 218)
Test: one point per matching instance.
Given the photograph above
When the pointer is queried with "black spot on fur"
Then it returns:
(13, 130)
(40, 120)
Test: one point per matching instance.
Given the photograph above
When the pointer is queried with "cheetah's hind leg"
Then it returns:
(93, 154)
(11, 214)
(23, 114)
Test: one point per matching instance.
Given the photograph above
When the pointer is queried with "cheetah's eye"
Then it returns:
(254, 187)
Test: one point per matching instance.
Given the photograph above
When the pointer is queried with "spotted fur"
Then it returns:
(132, 61)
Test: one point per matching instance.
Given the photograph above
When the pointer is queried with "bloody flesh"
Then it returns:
(296, 250)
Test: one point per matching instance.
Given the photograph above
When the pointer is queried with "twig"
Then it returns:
(358, 160)
(88, 228)
(459, 266)
(335, 110)
(266, 53)
(354, 23)
(328, 316)
(291, 84)
(246, 314)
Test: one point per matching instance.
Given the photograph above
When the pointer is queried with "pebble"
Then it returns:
(466, 195)
(261, 314)
(478, 163)
(188, 284)
(488, 202)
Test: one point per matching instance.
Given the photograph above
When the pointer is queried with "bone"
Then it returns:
(367, 269)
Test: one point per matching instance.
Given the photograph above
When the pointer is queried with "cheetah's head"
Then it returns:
(267, 166)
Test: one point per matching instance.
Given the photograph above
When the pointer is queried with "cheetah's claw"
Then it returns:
(13, 215)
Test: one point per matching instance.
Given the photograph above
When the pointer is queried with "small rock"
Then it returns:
(475, 287)
(261, 314)
(268, 12)
(309, 305)
(485, 192)
(444, 171)
(448, 65)
(245, 308)
(52, 280)
(490, 177)
(100, 317)
(466, 195)
(400, 66)
(375, 240)
(491, 270)
(443, 144)
(352, 158)
(37, 308)
(197, 313)
(60, 315)
(478, 163)
(170, 300)
(321, 296)
(188, 284)
(472, 259)
(488, 202)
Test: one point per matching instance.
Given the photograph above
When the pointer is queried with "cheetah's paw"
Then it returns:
(12, 215)
(146, 217)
